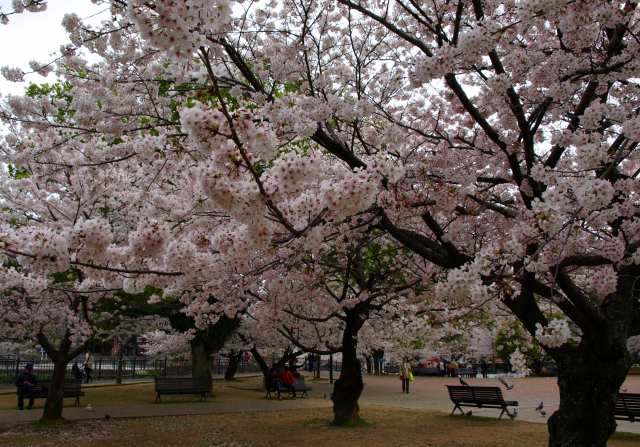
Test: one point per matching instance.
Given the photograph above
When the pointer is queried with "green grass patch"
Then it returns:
(626, 436)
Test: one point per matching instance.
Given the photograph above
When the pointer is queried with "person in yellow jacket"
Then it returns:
(406, 374)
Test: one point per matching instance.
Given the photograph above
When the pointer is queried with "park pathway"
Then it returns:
(430, 393)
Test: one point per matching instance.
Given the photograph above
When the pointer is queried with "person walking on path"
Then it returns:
(26, 383)
(405, 375)
(88, 367)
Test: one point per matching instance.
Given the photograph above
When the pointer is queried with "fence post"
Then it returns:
(133, 369)
(330, 368)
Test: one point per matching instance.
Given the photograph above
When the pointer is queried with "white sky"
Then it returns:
(37, 36)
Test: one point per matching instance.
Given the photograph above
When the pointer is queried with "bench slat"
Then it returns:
(628, 406)
(479, 396)
(178, 385)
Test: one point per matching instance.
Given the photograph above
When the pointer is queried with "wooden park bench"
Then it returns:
(277, 387)
(71, 389)
(301, 387)
(628, 407)
(479, 397)
(179, 385)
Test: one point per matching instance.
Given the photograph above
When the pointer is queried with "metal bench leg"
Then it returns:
(77, 403)
(157, 397)
(502, 412)
(454, 409)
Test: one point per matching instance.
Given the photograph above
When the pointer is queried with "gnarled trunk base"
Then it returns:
(201, 364)
(346, 392)
(55, 398)
(589, 387)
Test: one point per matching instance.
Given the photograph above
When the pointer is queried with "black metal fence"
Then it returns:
(106, 368)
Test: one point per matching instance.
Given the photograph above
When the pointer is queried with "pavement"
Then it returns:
(427, 393)
(430, 393)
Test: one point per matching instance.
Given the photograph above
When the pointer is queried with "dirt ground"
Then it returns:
(306, 427)
(239, 416)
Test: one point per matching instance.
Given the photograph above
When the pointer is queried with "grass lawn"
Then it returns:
(122, 395)
(307, 428)
(142, 394)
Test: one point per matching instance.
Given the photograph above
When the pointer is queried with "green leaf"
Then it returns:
(18, 174)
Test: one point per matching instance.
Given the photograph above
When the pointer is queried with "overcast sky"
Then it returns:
(37, 36)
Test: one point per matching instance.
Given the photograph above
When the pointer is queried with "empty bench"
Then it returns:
(628, 407)
(479, 397)
(179, 385)
(71, 389)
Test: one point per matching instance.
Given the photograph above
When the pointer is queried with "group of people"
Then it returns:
(284, 375)
(26, 381)
(451, 368)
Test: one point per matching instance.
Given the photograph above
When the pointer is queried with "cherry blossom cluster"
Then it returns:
(181, 26)
(518, 362)
(555, 334)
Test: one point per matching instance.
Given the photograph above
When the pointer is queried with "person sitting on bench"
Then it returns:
(26, 383)
(287, 379)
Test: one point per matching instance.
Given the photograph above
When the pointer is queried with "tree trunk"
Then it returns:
(55, 398)
(348, 388)
(119, 368)
(260, 361)
(318, 364)
(589, 385)
(201, 363)
(232, 368)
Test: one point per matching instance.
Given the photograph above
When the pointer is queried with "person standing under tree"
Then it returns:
(484, 368)
(77, 374)
(26, 383)
(405, 375)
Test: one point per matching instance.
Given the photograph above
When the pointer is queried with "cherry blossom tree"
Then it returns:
(80, 223)
(496, 140)
(321, 305)
(77, 196)
(183, 333)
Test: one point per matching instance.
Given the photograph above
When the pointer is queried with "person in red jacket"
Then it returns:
(288, 380)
